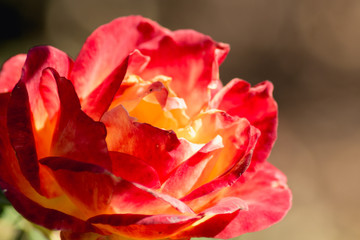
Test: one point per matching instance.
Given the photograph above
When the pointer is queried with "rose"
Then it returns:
(137, 138)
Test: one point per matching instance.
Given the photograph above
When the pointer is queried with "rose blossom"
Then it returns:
(137, 138)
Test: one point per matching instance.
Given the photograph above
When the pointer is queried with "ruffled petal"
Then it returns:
(107, 47)
(11, 72)
(150, 144)
(257, 105)
(191, 59)
(143, 226)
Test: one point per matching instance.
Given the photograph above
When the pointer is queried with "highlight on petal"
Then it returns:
(255, 104)
(11, 72)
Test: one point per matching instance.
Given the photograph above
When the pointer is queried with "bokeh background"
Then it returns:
(309, 49)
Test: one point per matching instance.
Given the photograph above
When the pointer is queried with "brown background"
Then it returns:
(309, 49)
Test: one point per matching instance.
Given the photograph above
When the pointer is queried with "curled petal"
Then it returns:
(11, 72)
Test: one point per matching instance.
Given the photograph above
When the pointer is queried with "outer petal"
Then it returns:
(191, 59)
(107, 47)
(268, 198)
(127, 136)
(10, 170)
(22, 140)
(255, 104)
(11, 72)
(143, 226)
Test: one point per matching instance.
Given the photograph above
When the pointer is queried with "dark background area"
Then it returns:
(309, 49)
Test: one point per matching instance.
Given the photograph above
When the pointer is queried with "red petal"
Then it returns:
(77, 136)
(107, 47)
(49, 94)
(268, 198)
(239, 138)
(190, 59)
(89, 186)
(143, 226)
(95, 190)
(11, 72)
(151, 145)
(257, 105)
(10, 170)
(215, 218)
(189, 173)
(38, 214)
(69, 235)
(21, 135)
(100, 99)
(134, 169)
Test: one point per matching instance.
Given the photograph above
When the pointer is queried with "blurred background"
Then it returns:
(309, 49)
